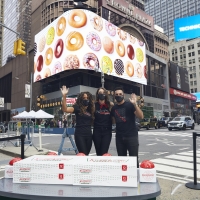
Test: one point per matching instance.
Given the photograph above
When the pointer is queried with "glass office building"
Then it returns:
(165, 11)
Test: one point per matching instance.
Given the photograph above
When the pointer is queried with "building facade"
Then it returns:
(186, 53)
(2, 2)
(165, 11)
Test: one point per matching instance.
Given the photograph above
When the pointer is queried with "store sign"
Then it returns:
(182, 94)
(70, 101)
(129, 11)
(92, 43)
(1, 102)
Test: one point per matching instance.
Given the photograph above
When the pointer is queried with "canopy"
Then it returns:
(21, 115)
(40, 114)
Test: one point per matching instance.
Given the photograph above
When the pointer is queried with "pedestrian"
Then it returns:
(102, 132)
(124, 113)
(84, 111)
(59, 124)
(65, 123)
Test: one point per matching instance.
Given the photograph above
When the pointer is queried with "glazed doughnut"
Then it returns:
(108, 45)
(41, 44)
(122, 34)
(90, 61)
(129, 68)
(139, 55)
(93, 41)
(58, 48)
(97, 23)
(145, 72)
(106, 65)
(50, 36)
(139, 70)
(39, 64)
(57, 68)
(38, 78)
(119, 67)
(61, 25)
(119, 47)
(132, 39)
(110, 28)
(130, 52)
(71, 62)
(47, 73)
(74, 41)
(48, 56)
(77, 18)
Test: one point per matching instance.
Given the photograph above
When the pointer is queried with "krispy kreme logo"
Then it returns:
(107, 160)
(24, 169)
(148, 175)
(85, 181)
(25, 179)
(52, 159)
(9, 171)
(85, 171)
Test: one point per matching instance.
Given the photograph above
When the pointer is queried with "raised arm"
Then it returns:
(64, 92)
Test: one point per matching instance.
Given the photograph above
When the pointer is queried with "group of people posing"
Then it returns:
(102, 114)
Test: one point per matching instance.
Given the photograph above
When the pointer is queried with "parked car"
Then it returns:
(149, 123)
(138, 125)
(163, 122)
(182, 122)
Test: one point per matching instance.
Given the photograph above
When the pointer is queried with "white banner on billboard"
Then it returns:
(27, 91)
(1, 102)
(90, 43)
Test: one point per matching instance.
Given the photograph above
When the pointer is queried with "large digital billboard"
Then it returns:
(80, 39)
(187, 28)
(178, 78)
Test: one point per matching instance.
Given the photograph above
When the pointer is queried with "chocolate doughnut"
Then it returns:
(119, 67)
(39, 64)
(130, 52)
(58, 48)
(90, 61)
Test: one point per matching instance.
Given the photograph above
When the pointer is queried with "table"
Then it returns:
(11, 191)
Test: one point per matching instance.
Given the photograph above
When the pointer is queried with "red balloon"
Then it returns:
(80, 154)
(14, 160)
(107, 154)
(52, 154)
(147, 164)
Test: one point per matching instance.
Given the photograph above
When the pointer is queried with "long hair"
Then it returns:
(90, 107)
(107, 101)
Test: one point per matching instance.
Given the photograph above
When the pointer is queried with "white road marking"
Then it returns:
(184, 158)
(184, 148)
(45, 143)
(160, 153)
(188, 154)
(92, 154)
(151, 144)
(176, 188)
(184, 139)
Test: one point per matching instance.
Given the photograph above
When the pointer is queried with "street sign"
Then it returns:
(1, 102)
(27, 91)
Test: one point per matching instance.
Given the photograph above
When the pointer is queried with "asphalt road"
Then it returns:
(171, 151)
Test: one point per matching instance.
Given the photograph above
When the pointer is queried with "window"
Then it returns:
(183, 48)
(192, 46)
(172, 58)
(190, 61)
(194, 67)
(189, 54)
(195, 82)
(193, 54)
(180, 49)
(195, 89)
(198, 44)
(193, 61)
(194, 75)
(189, 47)
(191, 82)
(191, 77)
(184, 55)
(190, 68)
(191, 90)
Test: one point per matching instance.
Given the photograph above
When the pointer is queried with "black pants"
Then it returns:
(130, 144)
(102, 138)
(83, 143)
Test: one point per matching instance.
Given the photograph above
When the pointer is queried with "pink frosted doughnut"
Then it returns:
(110, 28)
(57, 68)
(93, 41)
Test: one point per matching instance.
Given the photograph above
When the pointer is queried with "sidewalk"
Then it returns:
(170, 189)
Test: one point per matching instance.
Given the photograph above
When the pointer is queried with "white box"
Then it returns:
(106, 166)
(43, 178)
(110, 180)
(8, 171)
(45, 164)
(148, 175)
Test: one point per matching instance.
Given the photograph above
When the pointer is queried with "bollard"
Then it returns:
(22, 145)
(194, 185)
(40, 139)
(17, 143)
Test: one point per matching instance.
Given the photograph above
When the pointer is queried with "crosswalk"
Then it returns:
(178, 167)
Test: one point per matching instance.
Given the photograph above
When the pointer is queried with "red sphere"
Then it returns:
(80, 154)
(107, 154)
(52, 154)
(147, 164)
(14, 160)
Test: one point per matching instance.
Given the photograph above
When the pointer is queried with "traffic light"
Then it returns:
(15, 48)
(21, 47)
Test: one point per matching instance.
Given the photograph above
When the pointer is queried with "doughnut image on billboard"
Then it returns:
(80, 39)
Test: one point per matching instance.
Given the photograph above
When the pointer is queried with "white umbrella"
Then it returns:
(40, 114)
(21, 115)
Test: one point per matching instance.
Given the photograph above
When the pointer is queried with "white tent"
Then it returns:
(31, 114)
(21, 115)
(40, 114)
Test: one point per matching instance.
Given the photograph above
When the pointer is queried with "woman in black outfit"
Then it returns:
(84, 111)
(102, 133)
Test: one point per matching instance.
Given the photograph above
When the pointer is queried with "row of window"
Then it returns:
(193, 90)
(193, 82)
(181, 49)
(161, 51)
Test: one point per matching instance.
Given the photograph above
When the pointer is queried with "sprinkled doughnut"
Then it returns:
(71, 62)
(50, 36)
(74, 41)
(47, 73)
(90, 61)
(58, 48)
(41, 44)
(139, 70)
(106, 65)
(38, 78)
(141, 43)
(97, 22)
(77, 18)
(129, 68)
(48, 56)
(119, 47)
(122, 34)
(93, 41)
(119, 67)
(61, 25)
(57, 68)
(139, 55)
(110, 28)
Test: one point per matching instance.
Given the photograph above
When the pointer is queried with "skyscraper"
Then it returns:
(1, 28)
(165, 11)
(17, 16)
